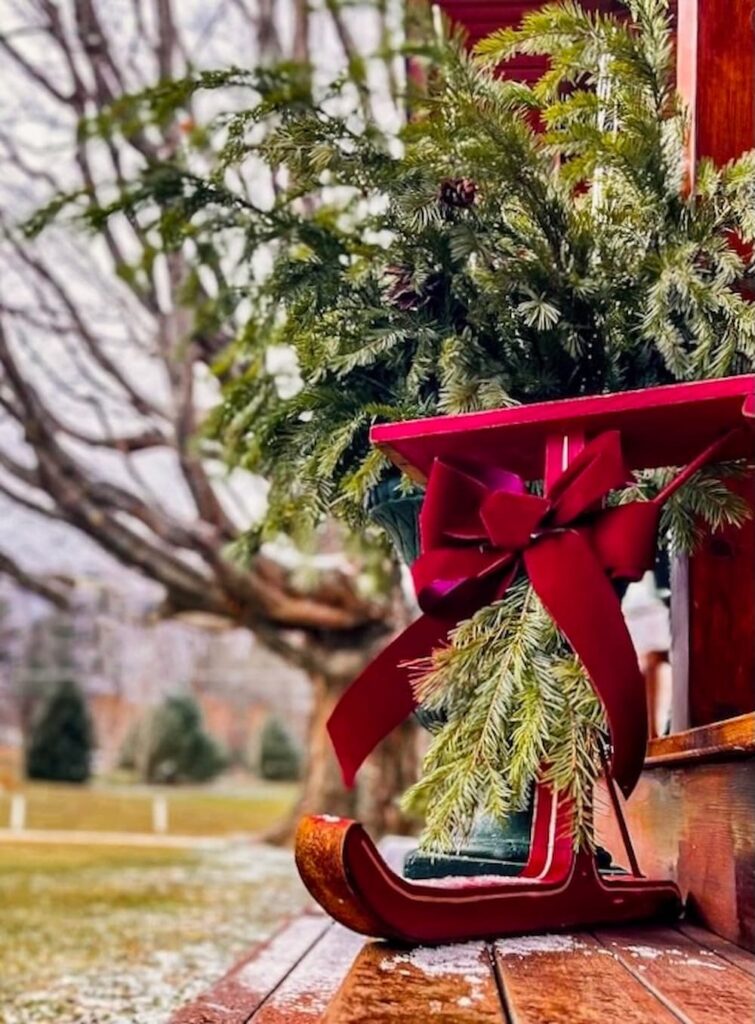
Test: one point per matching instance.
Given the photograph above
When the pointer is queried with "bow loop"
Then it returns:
(511, 519)
(624, 539)
(454, 580)
(454, 499)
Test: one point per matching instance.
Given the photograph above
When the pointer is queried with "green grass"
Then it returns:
(191, 811)
(28, 860)
(115, 934)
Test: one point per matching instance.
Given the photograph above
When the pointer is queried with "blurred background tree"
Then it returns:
(106, 343)
(170, 745)
(48, 657)
(279, 757)
(61, 740)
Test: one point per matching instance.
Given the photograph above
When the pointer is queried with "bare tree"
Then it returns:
(105, 356)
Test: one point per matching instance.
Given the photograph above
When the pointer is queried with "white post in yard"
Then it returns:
(17, 821)
(159, 814)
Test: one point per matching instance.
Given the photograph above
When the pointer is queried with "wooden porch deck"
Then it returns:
(313, 970)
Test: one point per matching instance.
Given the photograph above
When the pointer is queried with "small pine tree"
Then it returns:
(62, 738)
(279, 757)
(172, 746)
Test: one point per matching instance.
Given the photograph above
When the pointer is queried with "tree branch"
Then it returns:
(54, 591)
(186, 557)
(33, 73)
(140, 402)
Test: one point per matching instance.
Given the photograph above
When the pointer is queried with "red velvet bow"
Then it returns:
(478, 527)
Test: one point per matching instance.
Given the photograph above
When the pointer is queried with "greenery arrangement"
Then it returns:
(170, 745)
(511, 243)
(61, 739)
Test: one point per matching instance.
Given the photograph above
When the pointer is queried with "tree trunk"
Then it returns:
(387, 773)
(392, 768)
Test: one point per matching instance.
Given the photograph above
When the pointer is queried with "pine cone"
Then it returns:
(457, 193)
(402, 293)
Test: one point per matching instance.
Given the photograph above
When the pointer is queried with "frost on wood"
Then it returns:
(273, 962)
(466, 962)
(529, 944)
(309, 988)
(680, 958)
(465, 958)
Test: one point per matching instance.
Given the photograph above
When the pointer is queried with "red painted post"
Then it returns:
(716, 77)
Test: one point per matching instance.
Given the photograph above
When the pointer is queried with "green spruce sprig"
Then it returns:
(518, 707)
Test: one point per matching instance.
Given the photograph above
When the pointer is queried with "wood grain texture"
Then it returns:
(452, 984)
(567, 979)
(668, 425)
(235, 997)
(679, 643)
(715, 75)
(734, 737)
(697, 984)
(694, 824)
(722, 621)
(304, 996)
(633, 975)
(707, 940)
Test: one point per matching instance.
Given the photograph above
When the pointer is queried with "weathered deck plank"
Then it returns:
(707, 940)
(235, 997)
(453, 984)
(564, 979)
(315, 972)
(701, 987)
(304, 995)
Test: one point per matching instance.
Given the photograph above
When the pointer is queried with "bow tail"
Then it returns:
(595, 627)
(381, 697)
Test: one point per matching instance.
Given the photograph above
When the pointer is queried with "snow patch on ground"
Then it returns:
(526, 945)
(466, 961)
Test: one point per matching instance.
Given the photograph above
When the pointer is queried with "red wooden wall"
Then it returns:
(716, 69)
(481, 17)
(721, 621)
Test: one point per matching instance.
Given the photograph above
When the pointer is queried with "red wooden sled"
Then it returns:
(558, 889)
(677, 425)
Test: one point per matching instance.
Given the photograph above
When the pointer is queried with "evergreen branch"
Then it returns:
(514, 700)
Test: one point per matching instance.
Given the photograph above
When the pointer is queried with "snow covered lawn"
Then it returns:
(114, 935)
